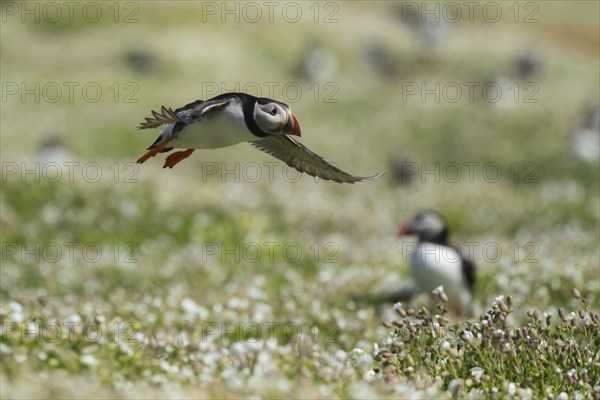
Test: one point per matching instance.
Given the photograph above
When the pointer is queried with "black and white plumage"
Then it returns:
(585, 141)
(435, 263)
(53, 149)
(232, 118)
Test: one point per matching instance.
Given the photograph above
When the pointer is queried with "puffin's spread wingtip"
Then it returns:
(372, 177)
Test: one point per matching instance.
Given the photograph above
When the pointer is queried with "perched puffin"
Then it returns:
(53, 149)
(436, 263)
(585, 141)
(318, 63)
(232, 118)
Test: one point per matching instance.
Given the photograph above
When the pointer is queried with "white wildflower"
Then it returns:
(444, 346)
(477, 372)
(454, 386)
(476, 394)
(467, 336)
(369, 375)
(4, 348)
(340, 356)
(438, 290)
(89, 360)
(375, 349)
(388, 340)
(73, 319)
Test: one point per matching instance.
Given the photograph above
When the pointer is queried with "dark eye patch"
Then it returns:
(274, 111)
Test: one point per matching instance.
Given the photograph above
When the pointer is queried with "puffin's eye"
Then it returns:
(274, 111)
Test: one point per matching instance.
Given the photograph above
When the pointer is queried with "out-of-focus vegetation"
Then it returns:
(230, 276)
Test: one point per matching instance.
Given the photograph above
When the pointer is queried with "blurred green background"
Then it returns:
(370, 83)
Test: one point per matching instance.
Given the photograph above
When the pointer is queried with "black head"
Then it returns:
(265, 117)
(428, 225)
(275, 118)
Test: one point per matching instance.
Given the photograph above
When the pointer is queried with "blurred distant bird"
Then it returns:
(380, 60)
(232, 118)
(507, 88)
(527, 65)
(140, 61)
(429, 27)
(586, 139)
(403, 169)
(53, 150)
(435, 263)
(318, 63)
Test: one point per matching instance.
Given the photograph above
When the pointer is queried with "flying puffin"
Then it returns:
(435, 263)
(232, 118)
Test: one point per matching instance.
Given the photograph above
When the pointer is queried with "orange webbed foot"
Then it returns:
(153, 151)
(176, 157)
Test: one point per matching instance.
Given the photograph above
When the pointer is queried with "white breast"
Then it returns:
(586, 144)
(434, 265)
(220, 128)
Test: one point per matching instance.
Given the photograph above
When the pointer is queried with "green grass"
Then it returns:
(545, 356)
(179, 246)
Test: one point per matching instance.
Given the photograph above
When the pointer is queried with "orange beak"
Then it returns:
(291, 126)
(404, 229)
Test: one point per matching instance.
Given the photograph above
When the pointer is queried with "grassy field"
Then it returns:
(232, 276)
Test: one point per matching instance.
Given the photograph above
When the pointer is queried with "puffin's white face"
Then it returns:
(275, 118)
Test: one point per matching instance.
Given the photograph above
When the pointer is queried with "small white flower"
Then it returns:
(438, 290)
(526, 393)
(476, 394)
(73, 319)
(89, 360)
(16, 311)
(188, 305)
(340, 356)
(454, 386)
(168, 367)
(388, 340)
(562, 396)
(4, 348)
(375, 349)
(512, 389)
(477, 372)
(20, 358)
(468, 336)
(369, 375)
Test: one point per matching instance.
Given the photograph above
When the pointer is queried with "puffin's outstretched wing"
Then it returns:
(298, 156)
